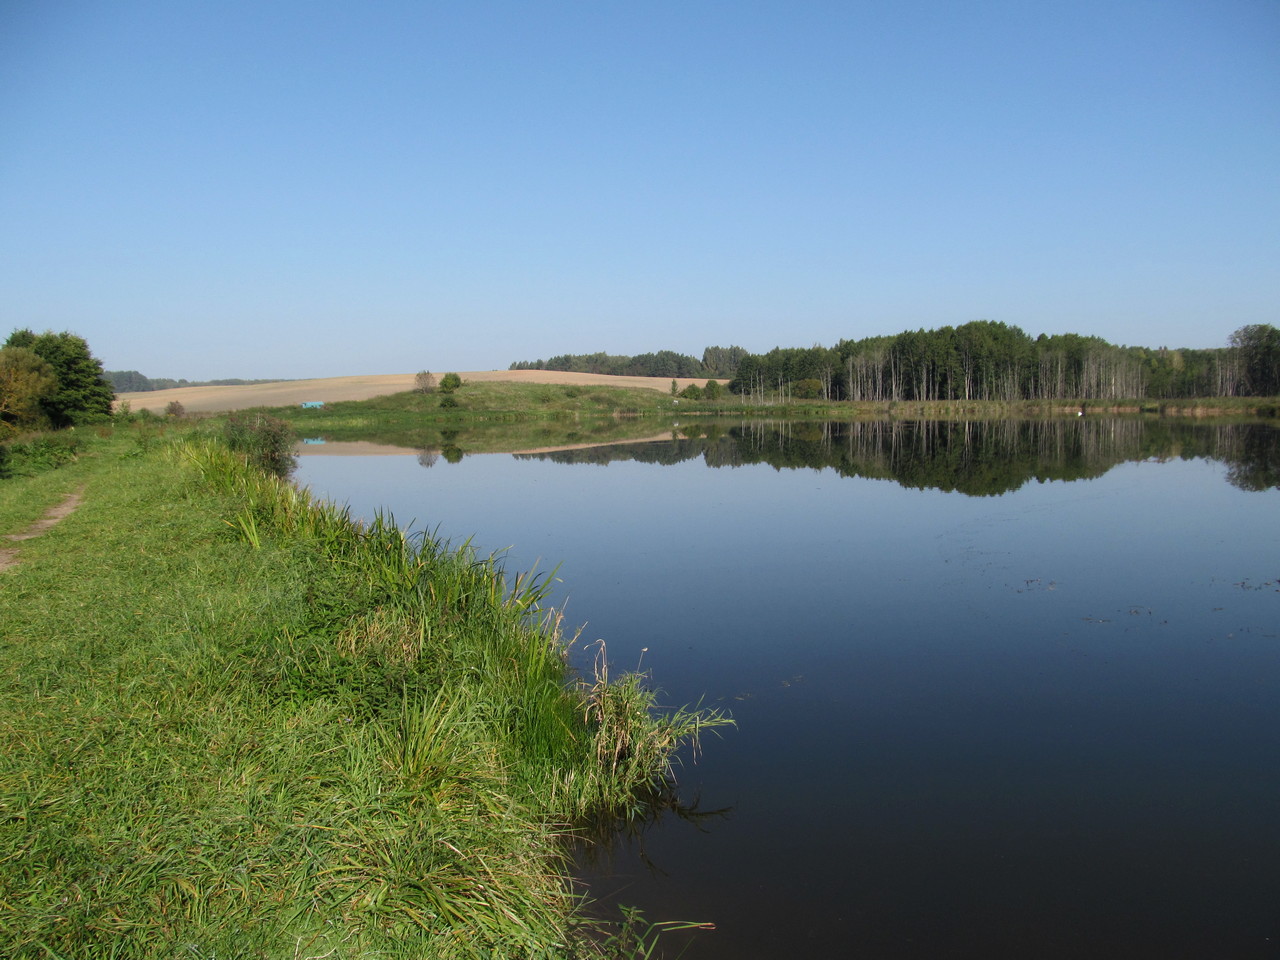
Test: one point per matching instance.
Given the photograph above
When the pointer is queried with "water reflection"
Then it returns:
(976, 458)
(1256, 464)
(596, 845)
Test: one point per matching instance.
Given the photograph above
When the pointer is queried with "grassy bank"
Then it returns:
(493, 402)
(233, 722)
(419, 420)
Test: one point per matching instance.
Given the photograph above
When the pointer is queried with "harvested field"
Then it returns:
(333, 389)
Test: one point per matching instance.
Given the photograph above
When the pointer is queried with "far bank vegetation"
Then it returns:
(982, 361)
(987, 361)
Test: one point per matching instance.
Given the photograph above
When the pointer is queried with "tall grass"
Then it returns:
(236, 722)
(37, 452)
(451, 615)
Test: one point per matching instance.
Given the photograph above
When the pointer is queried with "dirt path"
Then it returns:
(9, 555)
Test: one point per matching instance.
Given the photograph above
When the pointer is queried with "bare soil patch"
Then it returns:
(333, 389)
(9, 555)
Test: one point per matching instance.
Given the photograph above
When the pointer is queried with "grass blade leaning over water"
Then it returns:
(634, 743)
(331, 740)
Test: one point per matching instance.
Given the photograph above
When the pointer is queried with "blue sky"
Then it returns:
(294, 189)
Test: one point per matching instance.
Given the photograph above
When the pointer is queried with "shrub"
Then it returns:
(266, 442)
(175, 409)
(806, 389)
(450, 382)
(39, 452)
(448, 400)
(692, 392)
(424, 382)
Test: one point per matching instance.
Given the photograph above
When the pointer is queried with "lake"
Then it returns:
(1002, 689)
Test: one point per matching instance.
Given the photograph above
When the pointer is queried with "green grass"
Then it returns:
(41, 469)
(498, 399)
(497, 416)
(497, 402)
(234, 722)
(500, 417)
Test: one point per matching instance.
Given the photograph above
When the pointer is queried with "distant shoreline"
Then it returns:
(284, 393)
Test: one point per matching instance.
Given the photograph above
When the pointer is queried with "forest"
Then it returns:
(982, 360)
(986, 360)
(131, 381)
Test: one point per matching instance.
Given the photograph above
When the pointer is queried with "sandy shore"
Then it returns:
(333, 389)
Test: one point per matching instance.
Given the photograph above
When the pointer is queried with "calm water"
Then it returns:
(1000, 690)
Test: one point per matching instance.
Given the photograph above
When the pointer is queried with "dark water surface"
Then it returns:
(1025, 705)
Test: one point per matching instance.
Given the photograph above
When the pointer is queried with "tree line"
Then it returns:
(987, 360)
(131, 381)
(716, 362)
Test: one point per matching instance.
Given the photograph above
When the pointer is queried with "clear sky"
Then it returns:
(303, 188)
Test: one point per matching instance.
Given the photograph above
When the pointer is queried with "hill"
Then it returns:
(331, 389)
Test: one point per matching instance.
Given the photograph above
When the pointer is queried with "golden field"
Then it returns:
(332, 389)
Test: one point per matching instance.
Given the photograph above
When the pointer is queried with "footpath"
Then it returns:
(9, 555)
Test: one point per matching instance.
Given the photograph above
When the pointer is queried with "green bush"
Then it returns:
(265, 441)
(38, 453)
(450, 382)
(806, 389)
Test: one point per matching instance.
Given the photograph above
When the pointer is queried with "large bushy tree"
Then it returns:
(82, 393)
(722, 361)
(1259, 348)
(26, 380)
